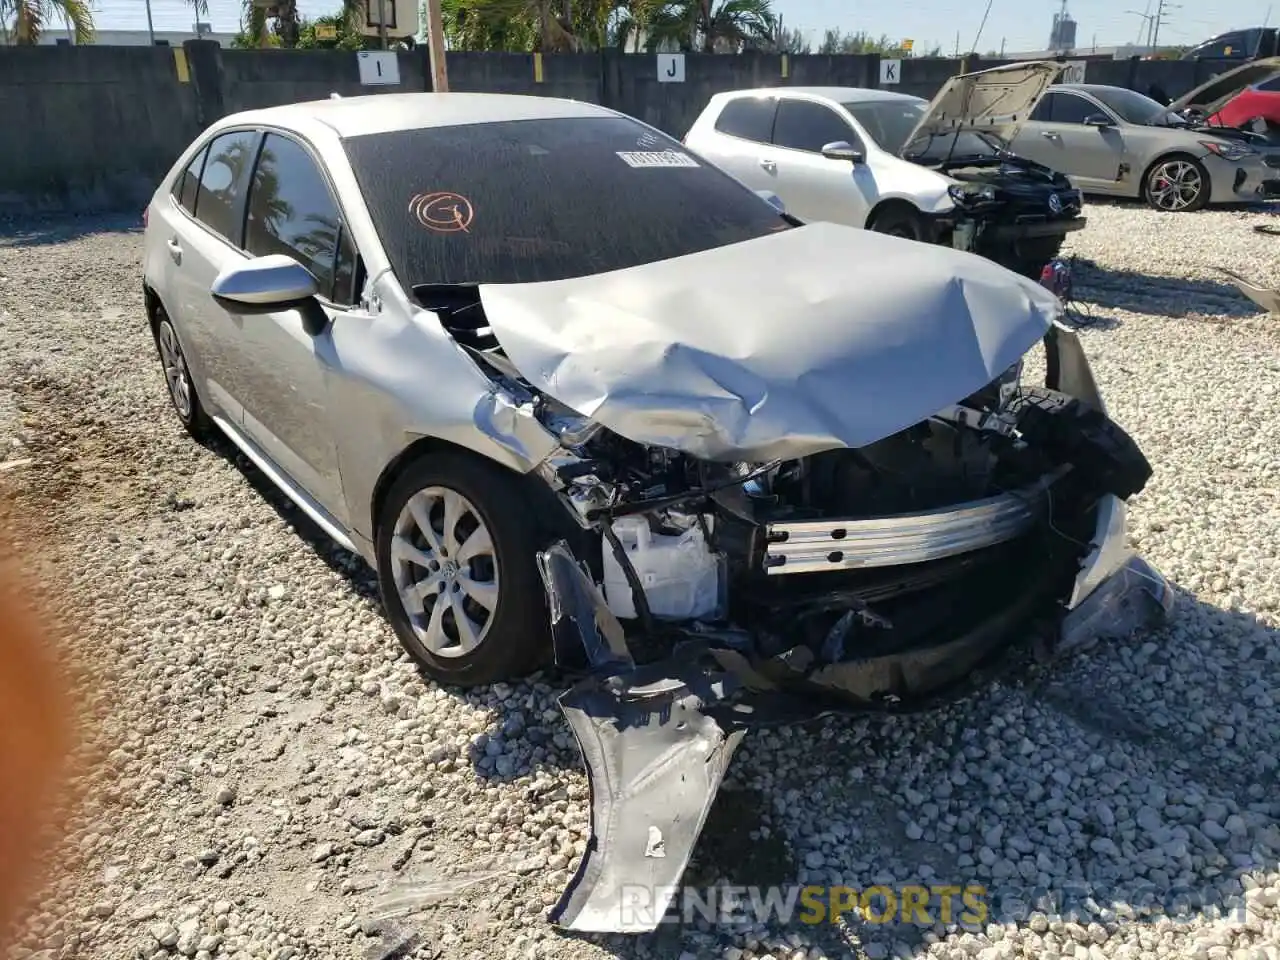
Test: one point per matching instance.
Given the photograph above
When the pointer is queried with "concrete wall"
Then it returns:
(89, 127)
(95, 127)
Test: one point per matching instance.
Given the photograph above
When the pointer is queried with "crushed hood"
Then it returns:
(1216, 93)
(808, 339)
(995, 101)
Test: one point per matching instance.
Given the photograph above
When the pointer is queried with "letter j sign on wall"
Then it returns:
(671, 68)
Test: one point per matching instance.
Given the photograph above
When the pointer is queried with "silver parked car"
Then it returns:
(548, 371)
(1118, 142)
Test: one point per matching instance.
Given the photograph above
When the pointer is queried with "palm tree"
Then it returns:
(510, 24)
(27, 19)
(713, 26)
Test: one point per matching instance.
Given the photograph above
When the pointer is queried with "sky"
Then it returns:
(1022, 25)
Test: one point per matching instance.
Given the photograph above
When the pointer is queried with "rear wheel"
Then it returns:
(177, 376)
(1178, 184)
(455, 547)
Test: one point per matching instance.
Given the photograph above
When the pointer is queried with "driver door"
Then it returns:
(811, 186)
(285, 371)
(1057, 136)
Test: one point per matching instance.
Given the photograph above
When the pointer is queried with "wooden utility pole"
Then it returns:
(435, 48)
(382, 23)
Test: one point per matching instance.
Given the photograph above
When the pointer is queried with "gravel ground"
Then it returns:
(273, 776)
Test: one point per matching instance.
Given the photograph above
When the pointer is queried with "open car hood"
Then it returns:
(995, 101)
(808, 339)
(1212, 96)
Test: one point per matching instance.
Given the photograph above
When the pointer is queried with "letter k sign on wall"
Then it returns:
(671, 68)
(890, 72)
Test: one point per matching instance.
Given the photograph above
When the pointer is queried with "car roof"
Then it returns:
(1086, 87)
(386, 113)
(839, 94)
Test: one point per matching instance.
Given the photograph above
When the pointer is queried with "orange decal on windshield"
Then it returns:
(442, 211)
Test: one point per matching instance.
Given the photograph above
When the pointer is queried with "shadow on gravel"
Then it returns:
(1164, 296)
(1153, 796)
(43, 231)
(1167, 798)
(350, 566)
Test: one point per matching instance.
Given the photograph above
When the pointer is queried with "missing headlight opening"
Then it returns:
(702, 593)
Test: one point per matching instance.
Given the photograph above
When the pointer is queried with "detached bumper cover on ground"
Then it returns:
(657, 739)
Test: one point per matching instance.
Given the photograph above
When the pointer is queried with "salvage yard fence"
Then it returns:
(90, 128)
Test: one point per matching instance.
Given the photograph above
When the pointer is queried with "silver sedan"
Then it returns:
(459, 329)
(1117, 142)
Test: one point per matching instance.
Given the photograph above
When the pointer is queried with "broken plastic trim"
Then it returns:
(655, 762)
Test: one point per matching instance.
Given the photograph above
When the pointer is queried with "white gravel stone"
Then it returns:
(272, 765)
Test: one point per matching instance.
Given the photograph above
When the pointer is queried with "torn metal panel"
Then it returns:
(1266, 298)
(1067, 367)
(655, 762)
(1134, 597)
(809, 339)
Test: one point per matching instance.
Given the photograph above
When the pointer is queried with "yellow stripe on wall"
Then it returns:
(785, 66)
(180, 64)
(537, 68)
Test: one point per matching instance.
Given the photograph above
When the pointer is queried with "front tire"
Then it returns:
(1177, 184)
(898, 221)
(455, 550)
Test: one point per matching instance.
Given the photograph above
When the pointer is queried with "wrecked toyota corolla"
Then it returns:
(570, 389)
(836, 492)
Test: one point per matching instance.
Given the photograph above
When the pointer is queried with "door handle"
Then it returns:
(1049, 135)
(769, 166)
(175, 250)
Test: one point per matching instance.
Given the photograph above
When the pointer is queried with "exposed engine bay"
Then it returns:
(701, 594)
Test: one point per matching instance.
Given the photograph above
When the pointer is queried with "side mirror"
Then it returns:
(271, 284)
(1098, 120)
(842, 150)
(771, 198)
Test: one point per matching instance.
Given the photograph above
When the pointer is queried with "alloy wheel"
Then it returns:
(175, 369)
(445, 570)
(1175, 185)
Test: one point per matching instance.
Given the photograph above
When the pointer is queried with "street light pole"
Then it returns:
(151, 30)
(382, 23)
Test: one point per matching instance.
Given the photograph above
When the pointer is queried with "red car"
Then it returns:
(1238, 97)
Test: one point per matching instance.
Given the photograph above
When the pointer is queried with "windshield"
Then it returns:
(531, 200)
(887, 122)
(1134, 107)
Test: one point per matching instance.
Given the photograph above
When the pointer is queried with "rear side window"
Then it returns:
(187, 185)
(222, 183)
(750, 118)
(806, 125)
(291, 210)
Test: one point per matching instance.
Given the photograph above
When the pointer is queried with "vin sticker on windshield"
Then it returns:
(657, 158)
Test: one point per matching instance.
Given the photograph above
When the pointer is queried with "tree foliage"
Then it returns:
(709, 26)
(23, 21)
(835, 41)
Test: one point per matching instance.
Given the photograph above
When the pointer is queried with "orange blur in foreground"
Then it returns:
(35, 740)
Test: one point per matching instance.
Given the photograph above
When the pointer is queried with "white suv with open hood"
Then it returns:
(938, 172)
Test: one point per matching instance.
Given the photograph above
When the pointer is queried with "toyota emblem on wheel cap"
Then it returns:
(1055, 203)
